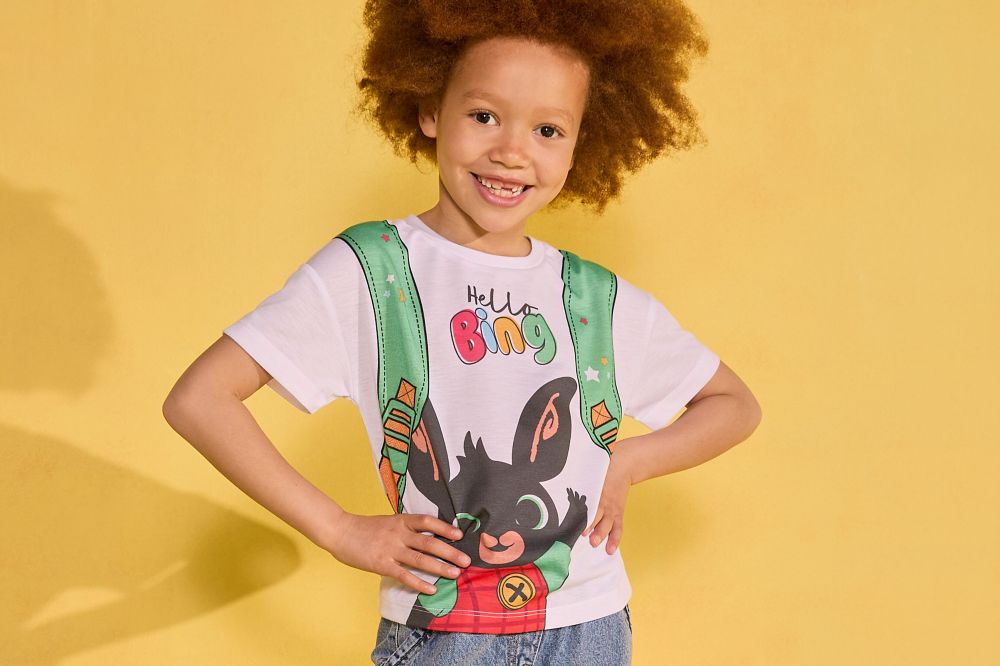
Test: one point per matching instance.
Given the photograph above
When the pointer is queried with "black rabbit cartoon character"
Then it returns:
(520, 549)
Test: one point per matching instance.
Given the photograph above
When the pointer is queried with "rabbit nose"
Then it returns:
(509, 550)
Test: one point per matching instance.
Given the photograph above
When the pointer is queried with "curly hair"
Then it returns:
(638, 51)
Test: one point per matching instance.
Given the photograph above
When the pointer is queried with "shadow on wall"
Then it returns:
(56, 323)
(89, 554)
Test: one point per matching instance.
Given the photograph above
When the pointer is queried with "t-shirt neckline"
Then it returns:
(530, 260)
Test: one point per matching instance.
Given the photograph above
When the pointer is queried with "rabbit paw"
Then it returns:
(576, 517)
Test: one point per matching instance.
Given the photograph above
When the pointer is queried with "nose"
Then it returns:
(510, 149)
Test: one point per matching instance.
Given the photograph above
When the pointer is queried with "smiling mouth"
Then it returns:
(497, 188)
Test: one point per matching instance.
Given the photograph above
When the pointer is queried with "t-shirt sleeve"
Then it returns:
(302, 333)
(659, 365)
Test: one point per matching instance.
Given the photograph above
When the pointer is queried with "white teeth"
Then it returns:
(499, 190)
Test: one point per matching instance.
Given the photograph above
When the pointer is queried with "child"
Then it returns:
(491, 370)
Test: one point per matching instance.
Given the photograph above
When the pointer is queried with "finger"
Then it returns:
(424, 562)
(615, 537)
(597, 519)
(601, 530)
(427, 523)
(438, 548)
(411, 580)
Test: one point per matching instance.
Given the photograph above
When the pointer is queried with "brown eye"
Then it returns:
(483, 117)
(530, 512)
(548, 131)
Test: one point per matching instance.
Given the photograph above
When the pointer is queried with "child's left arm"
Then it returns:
(722, 414)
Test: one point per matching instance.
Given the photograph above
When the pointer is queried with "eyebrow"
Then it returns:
(481, 94)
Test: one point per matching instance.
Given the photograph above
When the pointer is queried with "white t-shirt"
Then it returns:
(316, 336)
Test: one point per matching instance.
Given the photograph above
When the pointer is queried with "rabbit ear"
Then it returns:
(475, 454)
(428, 461)
(541, 442)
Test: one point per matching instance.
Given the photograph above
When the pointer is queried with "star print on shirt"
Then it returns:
(391, 278)
(592, 375)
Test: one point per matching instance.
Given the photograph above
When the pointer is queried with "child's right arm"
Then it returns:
(206, 408)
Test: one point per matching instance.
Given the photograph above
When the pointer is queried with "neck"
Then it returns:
(462, 230)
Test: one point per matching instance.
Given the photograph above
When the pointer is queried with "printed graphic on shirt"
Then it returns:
(476, 331)
(589, 299)
(403, 371)
(519, 546)
(522, 500)
(396, 426)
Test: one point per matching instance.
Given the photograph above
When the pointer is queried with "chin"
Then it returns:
(501, 220)
(498, 223)
(503, 226)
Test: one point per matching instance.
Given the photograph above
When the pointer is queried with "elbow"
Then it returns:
(183, 406)
(753, 414)
(171, 409)
(175, 407)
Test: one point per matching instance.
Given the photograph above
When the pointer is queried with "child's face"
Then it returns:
(511, 114)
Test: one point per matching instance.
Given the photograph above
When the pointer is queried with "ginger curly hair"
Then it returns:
(639, 53)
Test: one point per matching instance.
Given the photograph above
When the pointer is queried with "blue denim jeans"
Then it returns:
(606, 641)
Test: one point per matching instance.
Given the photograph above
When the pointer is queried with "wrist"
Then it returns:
(625, 462)
(330, 528)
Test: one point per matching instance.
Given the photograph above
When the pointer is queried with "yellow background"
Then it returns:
(166, 165)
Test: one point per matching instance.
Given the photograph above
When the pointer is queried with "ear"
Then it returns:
(541, 442)
(427, 115)
(427, 463)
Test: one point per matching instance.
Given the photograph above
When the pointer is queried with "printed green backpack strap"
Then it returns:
(402, 345)
(589, 298)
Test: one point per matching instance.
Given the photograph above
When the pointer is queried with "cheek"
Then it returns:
(557, 163)
(458, 146)
(558, 158)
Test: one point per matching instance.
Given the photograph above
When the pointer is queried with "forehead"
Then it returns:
(520, 73)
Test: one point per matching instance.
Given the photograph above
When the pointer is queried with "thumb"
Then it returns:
(597, 519)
